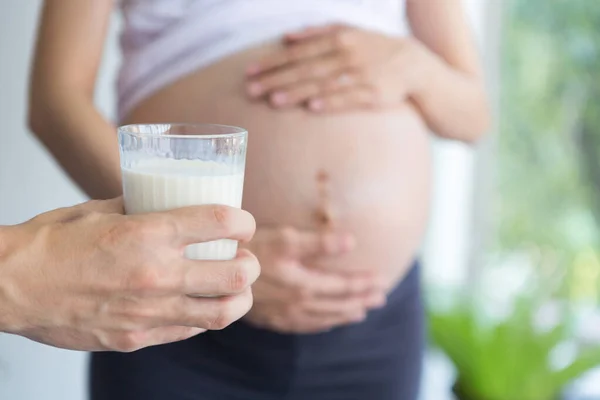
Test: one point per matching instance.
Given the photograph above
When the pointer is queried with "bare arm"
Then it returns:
(61, 108)
(453, 100)
(336, 68)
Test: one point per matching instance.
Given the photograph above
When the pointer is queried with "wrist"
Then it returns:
(10, 243)
(425, 66)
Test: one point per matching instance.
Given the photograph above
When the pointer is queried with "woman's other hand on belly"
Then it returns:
(337, 68)
(293, 297)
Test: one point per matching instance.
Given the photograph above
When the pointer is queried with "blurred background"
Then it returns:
(513, 283)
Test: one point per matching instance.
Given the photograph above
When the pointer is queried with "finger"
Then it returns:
(294, 243)
(340, 285)
(269, 290)
(353, 98)
(210, 222)
(169, 334)
(317, 323)
(324, 244)
(341, 82)
(295, 95)
(347, 306)
(294, 53)
(375, 299)
(312, 31)
(285, 289)
(306, 70)
(209, 313)
(296, 282)
(312, 283)
(220, 278)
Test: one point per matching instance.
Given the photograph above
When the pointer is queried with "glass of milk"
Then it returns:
(167, 166)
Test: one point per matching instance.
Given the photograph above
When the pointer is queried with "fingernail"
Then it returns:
(255, 89)
(316, 105)
(252, 69)
(279, 98)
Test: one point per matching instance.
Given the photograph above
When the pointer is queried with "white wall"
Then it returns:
(31, 183)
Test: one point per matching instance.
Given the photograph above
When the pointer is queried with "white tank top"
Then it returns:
(164, 40)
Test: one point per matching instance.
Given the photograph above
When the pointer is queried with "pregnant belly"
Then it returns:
(377, 163)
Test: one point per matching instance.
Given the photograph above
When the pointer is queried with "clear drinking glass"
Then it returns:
(167, 166)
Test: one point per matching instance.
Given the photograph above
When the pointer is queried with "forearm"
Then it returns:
(453, 103)
(82, 141)
(9, 243)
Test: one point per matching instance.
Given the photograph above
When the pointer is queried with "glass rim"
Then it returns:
(236, 131)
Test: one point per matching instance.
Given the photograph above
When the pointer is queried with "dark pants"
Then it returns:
(379, 359)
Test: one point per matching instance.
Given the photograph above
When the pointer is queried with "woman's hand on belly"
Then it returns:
(339, 68)
(292, 297)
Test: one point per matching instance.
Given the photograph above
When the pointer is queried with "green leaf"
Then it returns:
(508, 360)
(585, 362)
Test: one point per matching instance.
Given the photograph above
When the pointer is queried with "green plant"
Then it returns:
(506, 360)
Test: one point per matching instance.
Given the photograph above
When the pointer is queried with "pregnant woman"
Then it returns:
(339, 97)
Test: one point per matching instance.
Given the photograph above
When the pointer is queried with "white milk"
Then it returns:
(165, 184)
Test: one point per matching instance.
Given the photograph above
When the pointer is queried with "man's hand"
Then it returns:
(90, 278)
(292, 297)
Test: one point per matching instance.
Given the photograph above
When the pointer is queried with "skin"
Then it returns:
(90, 278)
(339, 69)
(357, 105)
(285, 303)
